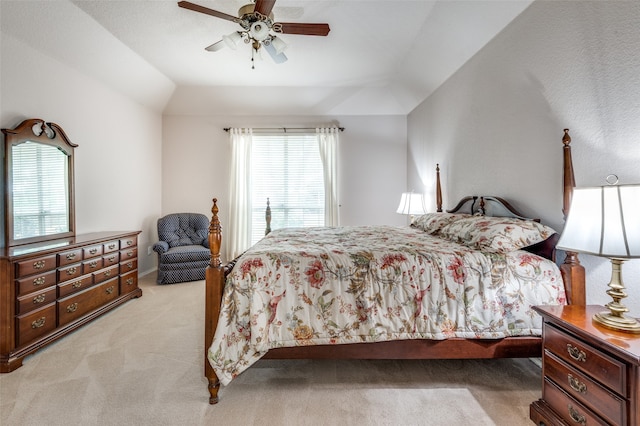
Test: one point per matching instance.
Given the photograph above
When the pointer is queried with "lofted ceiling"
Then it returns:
(380, 57)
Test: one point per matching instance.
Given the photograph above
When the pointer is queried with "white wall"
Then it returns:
(496, 125)
(372, 163)
(117, 162)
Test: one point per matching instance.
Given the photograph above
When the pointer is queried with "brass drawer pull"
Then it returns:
(38, 323)
(109, 290)
(71, 256)
(93, 250)
(111, 259)
(39, 281)
(576, 417)
(39, 299)
(130, 265)
(39, 264)
(93, 264)
(129, 242)
(72, 307)
(576, 353)
(72, 271)
(107, 273)
(129, 281)
(129, 253)
(576, 384)
(76, 284)
(112, 246)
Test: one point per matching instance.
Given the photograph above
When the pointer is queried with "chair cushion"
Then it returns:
(190, 253)
(183, 229)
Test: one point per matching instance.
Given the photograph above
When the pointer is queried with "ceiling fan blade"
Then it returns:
(264, 6)
(207, 11)
(215, 46)
(304, 29)
(278, 58)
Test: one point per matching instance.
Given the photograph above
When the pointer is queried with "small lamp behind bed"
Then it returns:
(411, 203)
(605, 221)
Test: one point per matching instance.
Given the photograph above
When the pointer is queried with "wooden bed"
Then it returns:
(510, 347)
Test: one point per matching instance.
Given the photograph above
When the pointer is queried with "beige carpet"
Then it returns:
(142, 365)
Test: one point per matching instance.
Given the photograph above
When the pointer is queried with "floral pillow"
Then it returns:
(432, 223)
(496, 234)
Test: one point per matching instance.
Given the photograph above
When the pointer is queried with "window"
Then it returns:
(40, 193)
(288, 170)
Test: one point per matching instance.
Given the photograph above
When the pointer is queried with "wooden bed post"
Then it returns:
(438, 190)
(267, 218)
(573, 273)
(213, 298)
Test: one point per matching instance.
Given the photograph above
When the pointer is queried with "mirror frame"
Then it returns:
(36, 130)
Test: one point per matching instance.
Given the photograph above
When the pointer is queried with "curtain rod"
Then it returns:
(285, 129)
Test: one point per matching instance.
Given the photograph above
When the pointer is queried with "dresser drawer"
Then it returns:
(69, 257)
(571, 411)
(73, 286)
(80, 304)
(128, 282)
(69, 272)
(36, 300)
(128, 242)
(128, 266)
(35, 266)
(579, 386)
(128, 254)
(110, 246)
(92, 251)
(36, 282)
(111, 259)
(35, 324)
(105, 274)
(92, 265)
(601, 367)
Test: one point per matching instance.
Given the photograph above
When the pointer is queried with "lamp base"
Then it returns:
(618, 323)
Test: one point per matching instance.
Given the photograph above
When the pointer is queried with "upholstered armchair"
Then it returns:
(183, 249)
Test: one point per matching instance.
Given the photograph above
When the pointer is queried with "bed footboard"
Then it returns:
(214, 285)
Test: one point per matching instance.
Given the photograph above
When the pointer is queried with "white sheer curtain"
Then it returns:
(239, 235)
(328, 144)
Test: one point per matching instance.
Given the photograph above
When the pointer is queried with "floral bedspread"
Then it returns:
(373, 283)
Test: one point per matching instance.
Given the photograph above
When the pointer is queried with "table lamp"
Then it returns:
(605, 221)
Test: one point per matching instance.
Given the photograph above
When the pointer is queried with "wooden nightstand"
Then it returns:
(590, 374)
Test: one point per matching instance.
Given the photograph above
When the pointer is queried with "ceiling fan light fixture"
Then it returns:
(231, 40)
(278, 44)
(259, 30)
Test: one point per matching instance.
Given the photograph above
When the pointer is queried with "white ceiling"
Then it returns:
(381, 56)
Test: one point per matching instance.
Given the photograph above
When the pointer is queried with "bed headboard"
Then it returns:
(487, 205)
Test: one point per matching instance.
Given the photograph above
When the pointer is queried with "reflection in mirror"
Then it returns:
(40, 192)
(39, 196)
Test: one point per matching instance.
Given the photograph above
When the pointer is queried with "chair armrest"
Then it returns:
(161, 247)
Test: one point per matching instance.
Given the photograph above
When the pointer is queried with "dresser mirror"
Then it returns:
(39, 192)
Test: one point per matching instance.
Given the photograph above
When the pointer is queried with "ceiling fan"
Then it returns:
(259, 28)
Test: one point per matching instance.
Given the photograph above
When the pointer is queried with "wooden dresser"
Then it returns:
(590, 374)
(51, 288)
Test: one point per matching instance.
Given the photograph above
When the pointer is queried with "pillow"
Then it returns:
(496, 234)
(432, 223)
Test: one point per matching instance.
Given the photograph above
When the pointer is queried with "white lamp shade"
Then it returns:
(604, 221)
(259, 30)
(279, 45)
(231, 40)
(411, 203)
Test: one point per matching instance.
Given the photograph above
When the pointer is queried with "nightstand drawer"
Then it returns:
(569, 409)
(579, 386)
(601, 367)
